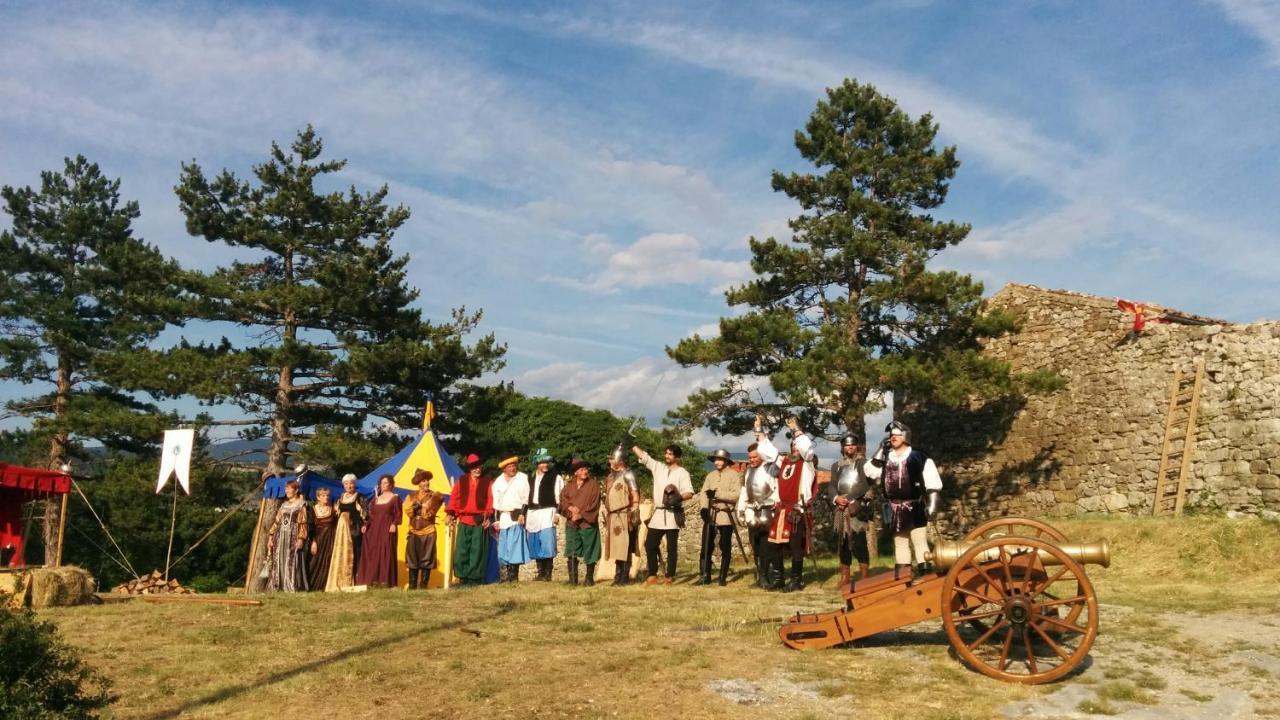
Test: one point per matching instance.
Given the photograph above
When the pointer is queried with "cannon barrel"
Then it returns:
(945, 554)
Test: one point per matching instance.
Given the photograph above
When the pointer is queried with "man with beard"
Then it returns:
(796, 479)
(540, 518)
(913, 488)
(671, 487)
(621, 498)
(847, 491)
(720, 490)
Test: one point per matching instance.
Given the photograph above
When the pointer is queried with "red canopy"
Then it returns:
(18, 485)
(32, 480)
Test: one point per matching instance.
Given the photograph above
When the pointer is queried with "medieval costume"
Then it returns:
(378, 557)
(510, 493)
(287, 543)
(908, 478)
(540, 513)
(580, 506)
(347, 537)
(420, 511)
(792, 521)
(325, 519)
(719, 495)
(618, 524)
(471, 507)
(850, 518)
(755, 510)
(671, 486)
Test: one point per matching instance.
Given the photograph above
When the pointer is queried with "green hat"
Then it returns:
(541, 455)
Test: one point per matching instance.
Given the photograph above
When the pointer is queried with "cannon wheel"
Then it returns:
(1011, 526)
(1030, 639)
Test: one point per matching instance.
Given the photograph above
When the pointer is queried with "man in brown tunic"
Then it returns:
(718, 499)
(580, 506)
(621, 498)
(420, 511)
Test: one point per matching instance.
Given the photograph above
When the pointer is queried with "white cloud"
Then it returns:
(656, 260)
(1261, 18)
(1056, 234)
(648, 387)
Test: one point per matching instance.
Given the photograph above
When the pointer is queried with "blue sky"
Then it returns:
(588, 173)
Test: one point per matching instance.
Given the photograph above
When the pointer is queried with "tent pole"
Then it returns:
(173, 522)
(253, 546)
(62, 529)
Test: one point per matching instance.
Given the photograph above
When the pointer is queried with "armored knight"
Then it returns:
(847, 491)
(619, 524)
(755, 508)
(792, 520)
(913, 488)
(720, 490)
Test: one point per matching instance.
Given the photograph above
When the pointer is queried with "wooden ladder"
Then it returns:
(1179, 439)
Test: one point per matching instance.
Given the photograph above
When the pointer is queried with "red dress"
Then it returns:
(378, 554)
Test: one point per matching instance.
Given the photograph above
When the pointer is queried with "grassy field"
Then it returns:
(686, 651)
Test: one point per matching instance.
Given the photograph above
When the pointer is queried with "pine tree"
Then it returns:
(847, 309)
(335, 341)
(78, 294)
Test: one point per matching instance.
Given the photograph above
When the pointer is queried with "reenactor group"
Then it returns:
(773, 501)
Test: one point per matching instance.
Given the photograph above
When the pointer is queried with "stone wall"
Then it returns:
(1095, 445)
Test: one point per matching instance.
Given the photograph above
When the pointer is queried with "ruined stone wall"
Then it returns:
(1095, 445)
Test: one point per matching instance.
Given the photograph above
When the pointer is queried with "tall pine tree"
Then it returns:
(78, 294)
(847, 309)
(331, 336)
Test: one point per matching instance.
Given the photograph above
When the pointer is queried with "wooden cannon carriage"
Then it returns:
(1013, 598)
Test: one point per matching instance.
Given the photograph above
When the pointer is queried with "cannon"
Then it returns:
(1013, 598)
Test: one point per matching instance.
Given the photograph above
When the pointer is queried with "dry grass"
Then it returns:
(552, 651)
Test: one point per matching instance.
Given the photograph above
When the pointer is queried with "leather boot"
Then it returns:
(573, 571)
(900, 571)
(924, 569)
(413, 579)
(619, 573)
(544, 570)
(864, 571)
(590, 579)
(796, 581)
(724, 574)
(843, 587)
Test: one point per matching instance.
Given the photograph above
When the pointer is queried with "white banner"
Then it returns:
(175, 458)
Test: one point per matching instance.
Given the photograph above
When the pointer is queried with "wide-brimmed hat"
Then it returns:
(473, 461)
(541, 455)
(721, 454)
(421, 476)
(578, 463)
(507, 461)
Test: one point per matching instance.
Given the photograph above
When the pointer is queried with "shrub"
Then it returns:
(43, 677)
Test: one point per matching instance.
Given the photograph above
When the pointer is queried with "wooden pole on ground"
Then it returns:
(173, 523)
(62, 528)
(253, 547)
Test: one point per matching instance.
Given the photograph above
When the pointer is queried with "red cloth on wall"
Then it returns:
(19, 485)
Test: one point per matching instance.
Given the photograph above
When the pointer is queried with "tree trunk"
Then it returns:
(280, 431)
(57, 458)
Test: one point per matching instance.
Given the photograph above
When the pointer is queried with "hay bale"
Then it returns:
(61, 586)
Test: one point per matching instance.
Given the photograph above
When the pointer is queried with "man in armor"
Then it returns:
(755, 509)
(913, 488)
(847, 490)
(720, 490)
(540, 518)
(621, 498)
(796, 480)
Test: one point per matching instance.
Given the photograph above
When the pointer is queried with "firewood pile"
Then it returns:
(153, 584)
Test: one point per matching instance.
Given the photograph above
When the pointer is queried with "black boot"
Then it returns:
(544, 570)
(796, 582)
(413, 579)
(619, 573)
(924, 569)
(901, 570)
(724, 574)
(590, 580)
(573, 570)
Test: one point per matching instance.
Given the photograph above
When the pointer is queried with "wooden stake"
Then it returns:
(173, 522)
(62, 529)
(200, 600)
(253, 547)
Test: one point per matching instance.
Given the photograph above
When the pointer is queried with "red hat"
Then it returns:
(473, 461)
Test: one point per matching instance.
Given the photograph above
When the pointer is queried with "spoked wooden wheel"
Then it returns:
(1037, 610)
(1016, 526)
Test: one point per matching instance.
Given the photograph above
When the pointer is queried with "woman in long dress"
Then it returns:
(324, 519)
(351, 516)
(378, 558)
(286, 546)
